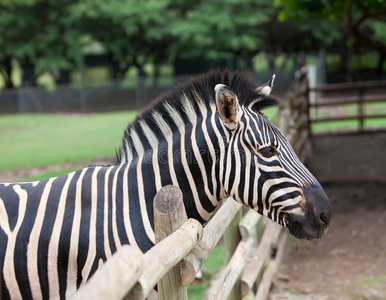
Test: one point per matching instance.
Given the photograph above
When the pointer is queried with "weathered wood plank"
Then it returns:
(213, 231)
(259, 257)
(222, 285)
(117, 276)
(163, 256)
(270, 272)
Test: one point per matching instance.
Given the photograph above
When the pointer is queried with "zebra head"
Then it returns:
(263, 172)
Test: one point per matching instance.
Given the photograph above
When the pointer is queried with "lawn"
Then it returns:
(35, 140)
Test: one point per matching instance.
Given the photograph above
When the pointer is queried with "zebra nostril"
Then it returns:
(324, 219)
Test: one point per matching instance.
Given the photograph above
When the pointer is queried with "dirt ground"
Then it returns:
(350, 261)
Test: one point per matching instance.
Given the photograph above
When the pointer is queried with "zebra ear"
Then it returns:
(227, 105)
(266, 88)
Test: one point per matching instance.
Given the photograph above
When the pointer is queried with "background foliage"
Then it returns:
(54, 36)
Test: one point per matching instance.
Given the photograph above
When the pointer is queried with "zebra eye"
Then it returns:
(268, 152)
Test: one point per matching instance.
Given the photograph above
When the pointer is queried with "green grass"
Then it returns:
(352, 110)
(363, 283)
(48, 174)
(211, 267)
(34, 140)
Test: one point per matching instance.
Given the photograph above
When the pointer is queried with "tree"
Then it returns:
(134, 32)
(216, 28)
(364, 20)
(40, 35)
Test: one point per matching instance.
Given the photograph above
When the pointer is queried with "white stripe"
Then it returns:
(142, 202)
(236, 167)
(221, 149)
(117, 241)
(32, 250)
(200, 162)
(52, 265)
(4, 223)
(136, 141)
(126, 208)
(149, 134)
(204, 113)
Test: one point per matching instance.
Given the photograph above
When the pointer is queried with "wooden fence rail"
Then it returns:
(181, 249)
(342, 94)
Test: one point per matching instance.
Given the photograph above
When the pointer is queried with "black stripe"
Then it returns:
(143, 241)
(195, 172)
(84, 227)
(285, 197)
(276, 187)
(289, 207)
(206, 157)
(149, 187)
(22, 240)
(100, 250)
(46, 232)
(112, 245)
(232, 165)
(243, 170)
(119, 207)
(252, 179)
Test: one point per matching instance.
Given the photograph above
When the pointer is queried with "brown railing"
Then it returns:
(331, 97)
(182, 246)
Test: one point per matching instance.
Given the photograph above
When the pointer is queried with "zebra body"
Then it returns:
(208, 137)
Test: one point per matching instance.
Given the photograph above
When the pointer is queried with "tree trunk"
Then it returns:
(157, 73)
(141, 92)
(381, 60)
(64, 77)
(28, 76)
(271, 63)
(7, 71)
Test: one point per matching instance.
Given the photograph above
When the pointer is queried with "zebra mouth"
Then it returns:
(299, 232)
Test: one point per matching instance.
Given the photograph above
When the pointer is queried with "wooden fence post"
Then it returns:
(232, 238)
(169, 215)
(166, 254)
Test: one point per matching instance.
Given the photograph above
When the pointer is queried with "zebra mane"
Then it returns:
(185, 102)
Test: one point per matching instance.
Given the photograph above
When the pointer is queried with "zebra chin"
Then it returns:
(316, 217)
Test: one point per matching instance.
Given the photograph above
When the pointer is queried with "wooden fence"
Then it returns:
(304, 107)
(183, 245)
(336, 98)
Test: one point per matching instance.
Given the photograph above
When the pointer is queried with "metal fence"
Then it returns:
(110, 96)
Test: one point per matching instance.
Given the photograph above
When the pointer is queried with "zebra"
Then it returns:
(207, 136)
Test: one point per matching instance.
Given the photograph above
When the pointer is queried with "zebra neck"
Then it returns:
(194, 169)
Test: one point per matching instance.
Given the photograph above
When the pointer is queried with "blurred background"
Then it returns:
(74, 73)
(65, 55)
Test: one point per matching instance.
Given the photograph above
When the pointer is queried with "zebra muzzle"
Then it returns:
(316, 217)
